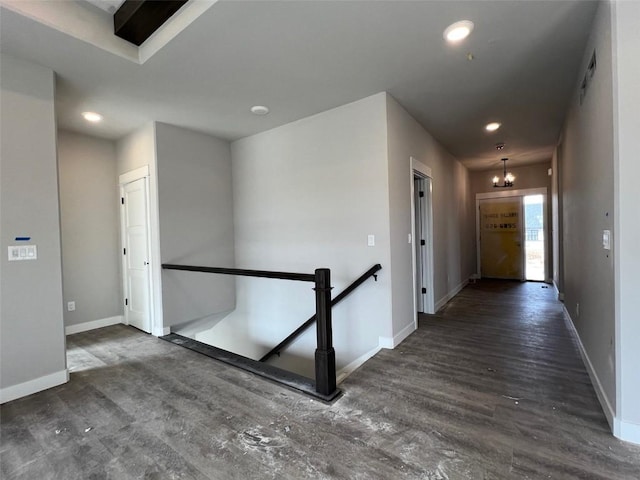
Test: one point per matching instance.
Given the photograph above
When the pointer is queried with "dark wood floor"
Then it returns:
(490, 388)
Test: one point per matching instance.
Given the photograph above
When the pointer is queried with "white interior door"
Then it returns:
(423, 245)
(136, 254)
(420, 241)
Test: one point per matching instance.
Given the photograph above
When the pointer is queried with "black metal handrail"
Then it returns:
(325, 356)
(301, 277)
(298, 331)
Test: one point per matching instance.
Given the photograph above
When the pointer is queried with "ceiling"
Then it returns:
(301, 58)
(107, 5)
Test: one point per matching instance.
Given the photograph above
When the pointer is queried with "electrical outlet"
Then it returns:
(71, 306)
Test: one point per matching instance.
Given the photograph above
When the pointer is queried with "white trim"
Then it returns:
(392, 342)
(595, 381)
(171, 28)
(157, 315)
(516, 193)
(420, 167)
(133, 175)
(125, 279)
(443, 301)
(629, 432)
(34, 386)
(422, 170)
(86, 326)
(160, 331)
(155, 286)
(344, 372)
(626, 431)
(512, 193)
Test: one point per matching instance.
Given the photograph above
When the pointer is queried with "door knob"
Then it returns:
(146, 263)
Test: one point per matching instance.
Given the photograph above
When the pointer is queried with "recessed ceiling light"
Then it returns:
(92, 117)
(458, 31)
(492, 127)
(259, 110)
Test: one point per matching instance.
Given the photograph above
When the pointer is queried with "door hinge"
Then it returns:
(422, 242)
(424, 290)
(126, 301)
(122, 200)
(124, 251)
(421, 194)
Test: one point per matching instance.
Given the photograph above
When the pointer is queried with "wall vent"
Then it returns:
(588, 76)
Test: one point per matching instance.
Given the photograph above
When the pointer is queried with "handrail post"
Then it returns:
(325, 354)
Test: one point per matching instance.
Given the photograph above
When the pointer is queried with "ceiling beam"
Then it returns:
(136, 20)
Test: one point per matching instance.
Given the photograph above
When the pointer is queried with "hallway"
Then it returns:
(490, 387)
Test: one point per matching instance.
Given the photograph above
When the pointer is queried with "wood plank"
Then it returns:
(490, 387)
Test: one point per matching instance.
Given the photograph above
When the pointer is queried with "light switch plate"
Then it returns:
(22, 252)
(606, 239)
(371, 240)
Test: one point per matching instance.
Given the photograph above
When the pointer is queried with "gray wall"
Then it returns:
(306, 195)
(557, 235)
(31, 323)
(135, 151)
(196, 222)
(627, 220)
(587, 186)
(90, 225)
(527, 176)
(453, 239)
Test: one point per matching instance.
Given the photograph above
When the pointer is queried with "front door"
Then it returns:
(501, 254)
(136, 254)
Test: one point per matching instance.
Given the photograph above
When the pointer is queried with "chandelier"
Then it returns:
(508, 178)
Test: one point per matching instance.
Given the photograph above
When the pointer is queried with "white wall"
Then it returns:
(626, 74)
(557, 236)
(587, 165)
(32, 343)
(527, 176)
(135, 151)
(196, 222)
(306, 195)
(453, 228)
(90, 226)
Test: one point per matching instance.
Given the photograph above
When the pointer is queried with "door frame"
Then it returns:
(515, 193)
(155, 295)
(419, 169)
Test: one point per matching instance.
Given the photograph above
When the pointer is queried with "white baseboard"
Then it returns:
(83, 327)
(595, 381)
(33, 386)
(344, 372)
(160, 331)
(393, 342)
(443, 301)
(629, 432)
(383, 342)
